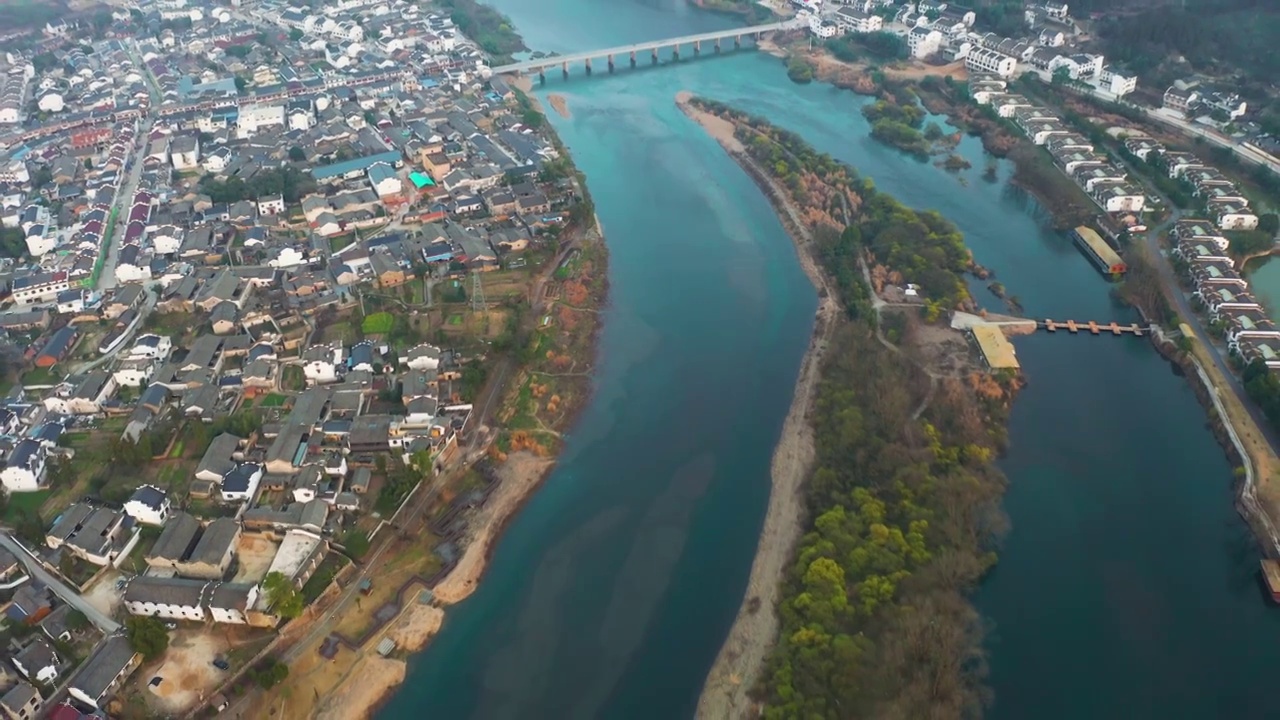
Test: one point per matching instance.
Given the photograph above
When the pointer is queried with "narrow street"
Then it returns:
(68, 595)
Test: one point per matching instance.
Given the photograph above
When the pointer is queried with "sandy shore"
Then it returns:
(519, 476)
(559, 104)
(370, 681)
(418, 625)
(726, 693)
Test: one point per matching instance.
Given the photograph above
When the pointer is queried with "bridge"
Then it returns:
(541, 65)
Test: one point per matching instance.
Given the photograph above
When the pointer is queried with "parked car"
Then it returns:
(221, 664)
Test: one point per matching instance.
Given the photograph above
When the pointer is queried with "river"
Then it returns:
(1127, 587)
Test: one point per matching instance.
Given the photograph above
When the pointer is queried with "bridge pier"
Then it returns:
(675, 52)
(588, 64)
(697, 48)
(610, 63)
(542, 77)
(717, 46)
(737, 42)
(633, 58)
(564, 68)
(654, 59)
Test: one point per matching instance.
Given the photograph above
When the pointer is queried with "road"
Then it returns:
(68, 595)
(148, 305)
(123, 201)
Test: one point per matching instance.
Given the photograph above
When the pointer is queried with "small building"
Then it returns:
(299, 555)
(22, 702)
(38, 662)
(148, 505)
(213, 553)
(104, 671)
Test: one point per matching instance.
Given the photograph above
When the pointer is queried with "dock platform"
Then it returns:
(1093, 327)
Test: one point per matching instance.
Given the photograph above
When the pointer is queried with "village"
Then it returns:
(267, 273)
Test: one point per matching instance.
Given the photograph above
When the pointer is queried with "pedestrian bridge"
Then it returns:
(541, 65)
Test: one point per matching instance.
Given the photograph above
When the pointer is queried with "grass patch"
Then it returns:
(455, 319)
(292, 378)
(316, 584)
(24, 504)
(378, 323)
(274, 400)
(42, 376)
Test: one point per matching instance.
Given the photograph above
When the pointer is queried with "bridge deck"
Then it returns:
(551, 62)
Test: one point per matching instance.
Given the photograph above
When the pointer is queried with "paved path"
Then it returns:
(68, 595)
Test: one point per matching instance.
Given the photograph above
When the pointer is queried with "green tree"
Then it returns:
(147, 636)
(295, 34)
(297, 154)
(282, 597)
(77, 620)
(1269, 224)
(269, 673)
(356, 542)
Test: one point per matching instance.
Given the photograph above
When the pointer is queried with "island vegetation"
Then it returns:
(903, 503)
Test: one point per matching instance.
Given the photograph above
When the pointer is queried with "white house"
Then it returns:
(41, 239)
(151, 346)
(923, 41)
(273, 205)
(255, 117)
(1117, 81)
(981, 59)
(857, 21)
(148, 505)
(24, 466)
(824, 29)
(1119, 196)
(241, 484)
(1233, 215)
(38, 662)
(320, 364)
(170, 598)
(288, 257)
(134, 372)
(423, 357)
(184, 151)
(51, 102)
(384, 180)
(1080, 66)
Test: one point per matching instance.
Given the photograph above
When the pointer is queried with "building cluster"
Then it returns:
(45, 659)
(1049, 46)
(1224, 293)
(195, 194)
(1102, 178)
(1204, 104)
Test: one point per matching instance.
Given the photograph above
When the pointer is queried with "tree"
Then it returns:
(297, 154)
(269, 673)
(295, 34)
(282, 597)
(147, 636)
(1269, 224)
(356, 542)
(77, 620)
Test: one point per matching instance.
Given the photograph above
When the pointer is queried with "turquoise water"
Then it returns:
(1264, 280)
(1127, 587)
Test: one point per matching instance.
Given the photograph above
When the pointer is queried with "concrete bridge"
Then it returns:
(630, 52)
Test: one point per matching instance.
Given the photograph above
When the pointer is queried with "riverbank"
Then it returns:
(538, 387)
(741, 659)
(936, 407)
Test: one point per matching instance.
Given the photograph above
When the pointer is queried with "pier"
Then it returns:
(1093, 327)
(563, 62)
